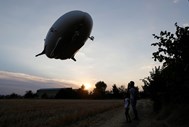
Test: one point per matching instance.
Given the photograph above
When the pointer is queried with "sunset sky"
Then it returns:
(121, 50)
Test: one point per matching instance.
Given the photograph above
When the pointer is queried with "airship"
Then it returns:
(67, 35)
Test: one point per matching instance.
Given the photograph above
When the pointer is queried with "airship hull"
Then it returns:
(67, 35)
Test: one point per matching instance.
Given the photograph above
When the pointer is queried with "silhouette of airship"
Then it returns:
(67, 35)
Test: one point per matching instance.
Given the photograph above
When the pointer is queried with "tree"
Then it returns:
(13, 96)
(29, 94)
(99, 91)
(173, 51)
(156, 81)
(172, 48)
(82, 87)
(82, 93)
(115, 91)
(122, 91)
(170, 81)
(155, 86)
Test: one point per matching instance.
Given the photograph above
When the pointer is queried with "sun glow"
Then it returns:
(87, 86)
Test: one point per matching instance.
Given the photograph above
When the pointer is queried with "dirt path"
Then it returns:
(117, 118)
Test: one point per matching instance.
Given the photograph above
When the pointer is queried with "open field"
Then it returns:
(51, 113)
(87, 113)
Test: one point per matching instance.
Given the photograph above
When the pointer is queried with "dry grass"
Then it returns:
(50, 113)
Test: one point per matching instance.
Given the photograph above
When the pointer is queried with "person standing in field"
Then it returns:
(133, 98)
(126, 105)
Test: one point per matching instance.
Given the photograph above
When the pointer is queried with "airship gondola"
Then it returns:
(67, 35)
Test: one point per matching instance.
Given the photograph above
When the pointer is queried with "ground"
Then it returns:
(116, 117)
(88, 113)
(170, 116)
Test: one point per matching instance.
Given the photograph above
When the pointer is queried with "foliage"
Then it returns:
(122, 91)
(169, 83)
(11, 96)
(100, 90)
(29, 94)
(82, 93)
(116, 92)
(155, 82)
(172, 48)
(154, 86)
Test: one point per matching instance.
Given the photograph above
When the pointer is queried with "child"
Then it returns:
(126, 105)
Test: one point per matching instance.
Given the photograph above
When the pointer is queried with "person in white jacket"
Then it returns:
(126, 105)
(133, 98)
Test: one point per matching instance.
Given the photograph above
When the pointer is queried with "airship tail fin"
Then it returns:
(73, 59)
(43, 52)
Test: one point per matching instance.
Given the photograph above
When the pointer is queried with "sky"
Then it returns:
(121, 51)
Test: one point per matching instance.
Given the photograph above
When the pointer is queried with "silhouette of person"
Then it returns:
(133, 98)
(126, 105)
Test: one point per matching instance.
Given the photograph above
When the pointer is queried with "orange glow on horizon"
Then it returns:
(87, 86)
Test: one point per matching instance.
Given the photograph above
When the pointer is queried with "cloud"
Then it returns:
(176, 1)
(11, 82)
(185, 24)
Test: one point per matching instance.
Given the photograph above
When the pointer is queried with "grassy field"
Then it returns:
(50, 113)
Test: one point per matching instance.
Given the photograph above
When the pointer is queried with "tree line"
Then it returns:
(99, 92)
